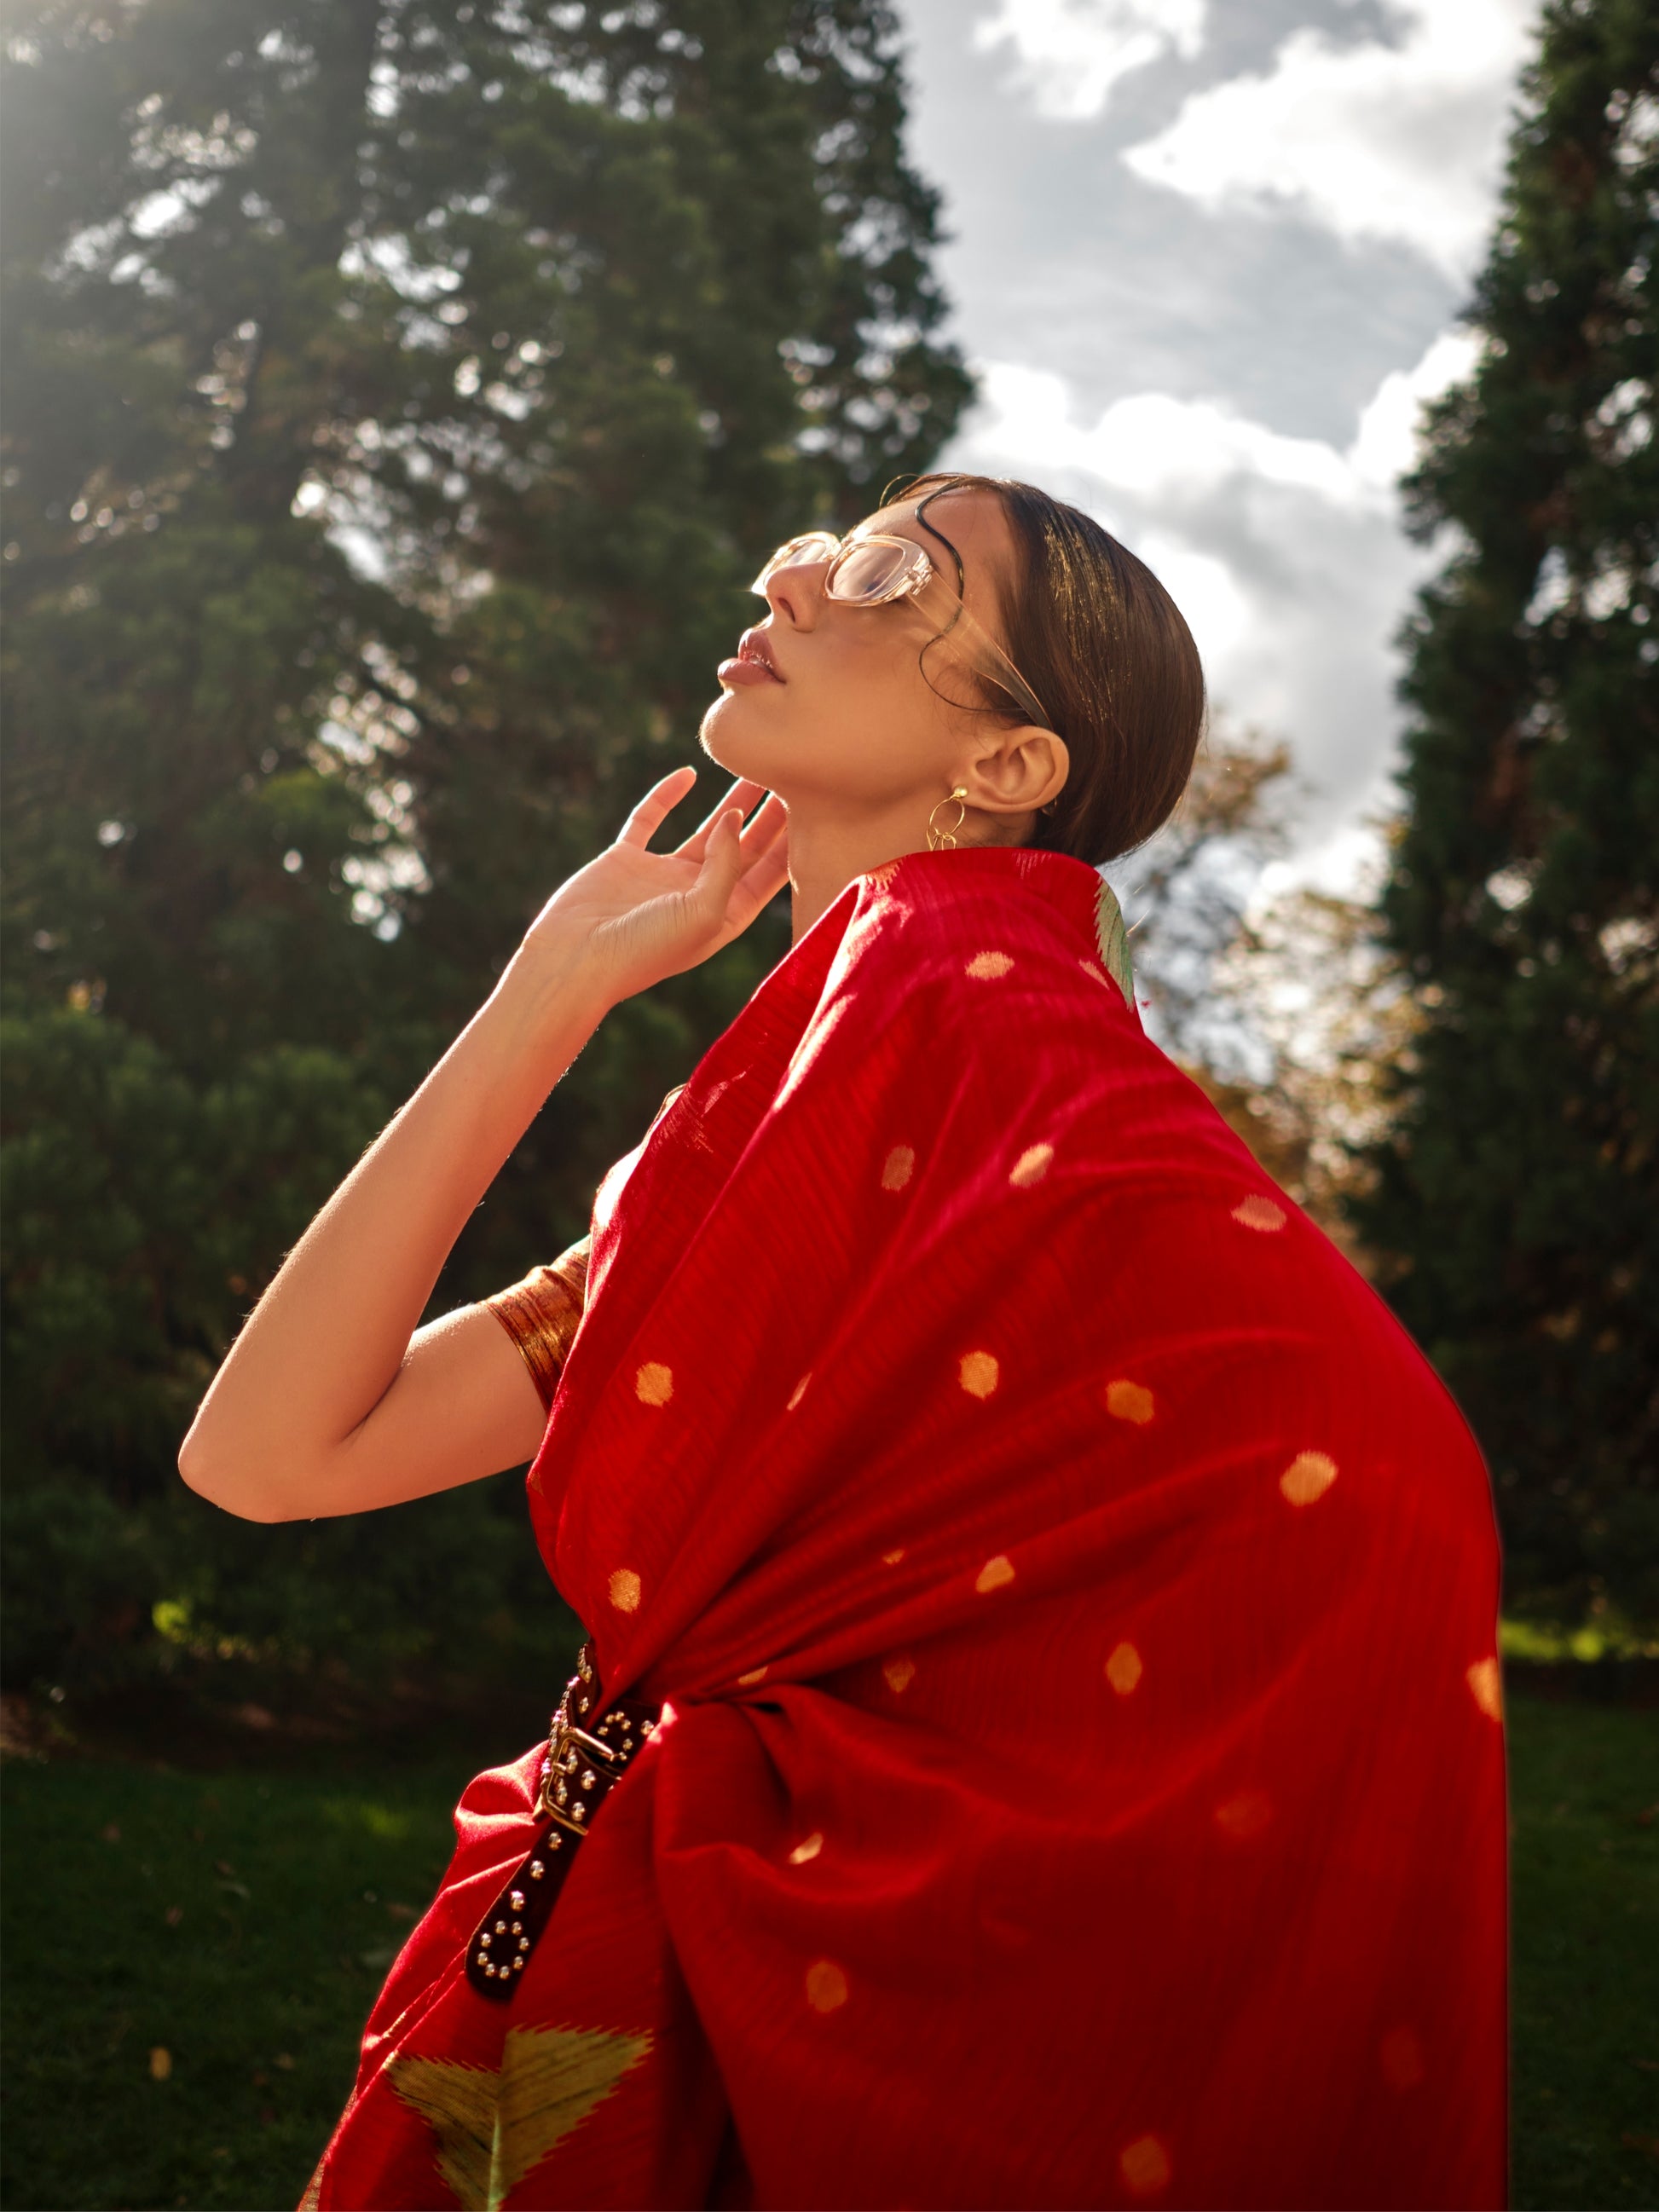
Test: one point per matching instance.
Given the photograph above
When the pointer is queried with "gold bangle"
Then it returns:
(541, 1314)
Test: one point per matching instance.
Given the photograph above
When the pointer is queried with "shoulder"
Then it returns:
(994, 935)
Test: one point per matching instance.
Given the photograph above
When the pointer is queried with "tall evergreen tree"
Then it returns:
(1519, 1193)
(398, 396)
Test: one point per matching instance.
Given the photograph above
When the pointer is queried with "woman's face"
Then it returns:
(827, 704)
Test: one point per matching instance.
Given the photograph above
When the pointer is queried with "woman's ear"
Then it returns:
(1021, 771)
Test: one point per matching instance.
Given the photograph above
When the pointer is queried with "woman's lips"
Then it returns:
(739, 672)
(752, 664)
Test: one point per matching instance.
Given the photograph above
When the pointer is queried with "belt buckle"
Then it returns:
(580, 1765)
(577, 1759)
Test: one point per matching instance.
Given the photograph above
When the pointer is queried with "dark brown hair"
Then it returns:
(1105, 649)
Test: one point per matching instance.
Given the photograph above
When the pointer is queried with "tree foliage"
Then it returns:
(1519, 1191)
(398, 396)
(1286, 1010)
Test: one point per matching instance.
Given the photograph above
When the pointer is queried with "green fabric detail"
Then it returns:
(493, 2128)
(1114, 942)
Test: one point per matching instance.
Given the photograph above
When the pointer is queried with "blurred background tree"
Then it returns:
(1461, 1081)
(1516, 1203)
(1286, 1009)
(399, 397)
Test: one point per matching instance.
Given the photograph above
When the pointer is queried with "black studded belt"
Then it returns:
(584, 1763)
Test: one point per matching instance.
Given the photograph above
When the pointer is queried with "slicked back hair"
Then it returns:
(1106, 650)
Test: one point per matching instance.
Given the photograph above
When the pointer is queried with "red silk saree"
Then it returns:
(1072, 1598)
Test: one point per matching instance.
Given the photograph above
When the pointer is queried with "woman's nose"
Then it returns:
(795, 593)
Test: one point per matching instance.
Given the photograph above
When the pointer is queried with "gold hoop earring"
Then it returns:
(944, 841)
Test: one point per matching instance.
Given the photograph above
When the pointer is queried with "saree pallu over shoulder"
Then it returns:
(1071, 1601)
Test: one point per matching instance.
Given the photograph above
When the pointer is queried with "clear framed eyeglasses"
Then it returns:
(869, 568)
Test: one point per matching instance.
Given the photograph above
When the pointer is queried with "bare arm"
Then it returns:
(329, 1401)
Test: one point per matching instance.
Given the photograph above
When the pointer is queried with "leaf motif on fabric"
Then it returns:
(459, 2105)
(551, 2079)
(1113, 940)
(493, 2128)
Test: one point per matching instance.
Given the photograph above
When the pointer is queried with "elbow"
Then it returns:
(230, 1483)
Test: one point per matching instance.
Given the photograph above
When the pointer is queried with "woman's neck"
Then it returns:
(825, 856)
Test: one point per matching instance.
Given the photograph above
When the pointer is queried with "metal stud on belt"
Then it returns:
(583, 1764)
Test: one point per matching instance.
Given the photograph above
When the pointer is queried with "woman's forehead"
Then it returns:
(900, 513)
(973, 520)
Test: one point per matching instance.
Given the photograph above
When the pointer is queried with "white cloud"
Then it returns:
(1397, 142)
(1285, 553)
(1071, 53)
(1385, 442)
(1205, 589)
(1155, 447)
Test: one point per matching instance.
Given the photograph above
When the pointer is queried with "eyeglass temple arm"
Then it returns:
(1015, 683)
(1020, 688)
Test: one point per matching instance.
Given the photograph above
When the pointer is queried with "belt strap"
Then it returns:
(586, 1759)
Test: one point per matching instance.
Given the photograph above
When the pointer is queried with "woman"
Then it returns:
(1039, 1744)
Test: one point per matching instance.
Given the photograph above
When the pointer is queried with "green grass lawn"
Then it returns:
(241, 1923)
(1584, 1821)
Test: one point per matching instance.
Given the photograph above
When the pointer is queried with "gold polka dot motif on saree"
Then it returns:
(1124, 1669)
(1145, 2166)
(986, 967)
(654, 1385)
(1245, 1816)
(1031, 1166)
(898, 1167)
(826, 1985)
(1485, 1681)
(899, 1672)
(891, 1558)
(1308, 1477)
(807, 1849)
(1260, 1213)
(996, 1574)
(979, 1373)
(799, 1392)
(1129, 1401)
(755, 1675)
(624, 1590)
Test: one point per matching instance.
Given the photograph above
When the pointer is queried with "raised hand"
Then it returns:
(633, 916)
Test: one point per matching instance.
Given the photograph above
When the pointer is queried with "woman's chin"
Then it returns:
(733, 740)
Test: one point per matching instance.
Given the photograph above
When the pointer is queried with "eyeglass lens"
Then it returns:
(867, 571)
(862, 572)
(817, 545)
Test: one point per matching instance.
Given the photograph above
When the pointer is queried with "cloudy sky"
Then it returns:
(1207, 255)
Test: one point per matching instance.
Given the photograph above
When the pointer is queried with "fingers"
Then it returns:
(722, 859)
(743, 795)
(658, 802)
(765, 828)
(667, 792)
(739, 874)
(757, 887)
